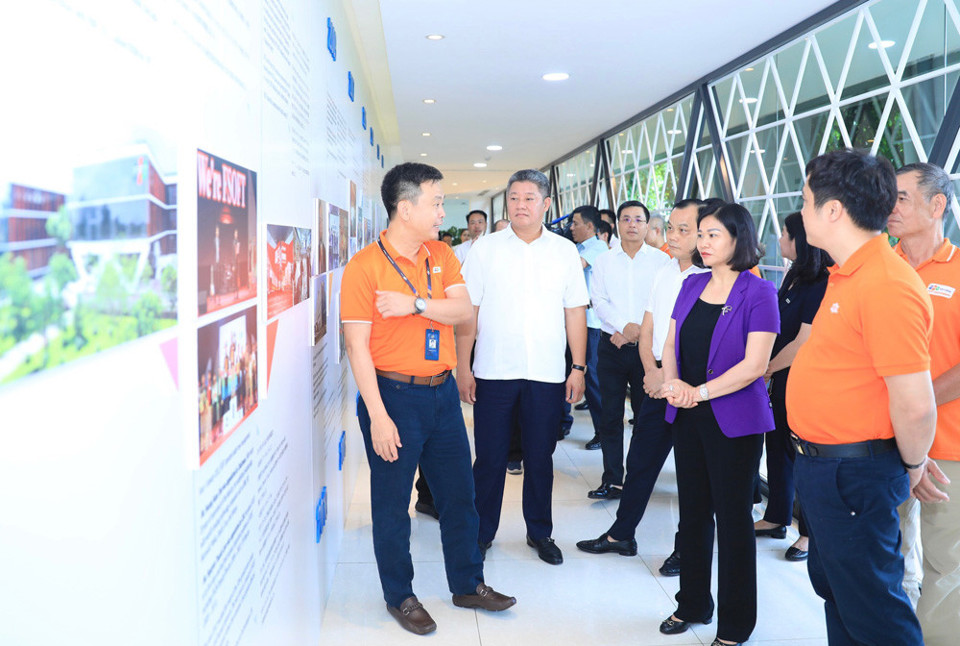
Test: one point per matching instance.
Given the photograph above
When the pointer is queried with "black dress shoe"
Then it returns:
(582, 406)
(483, 549)
(605, 492)
(602, 545)
(780, 531)
(412, 616)
(671, 566)
(670, 626)
(547, 550)
(486, 598)
(795, 554)
(593, 444)
(428, 509)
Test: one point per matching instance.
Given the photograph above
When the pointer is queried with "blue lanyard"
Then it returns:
(404, 276)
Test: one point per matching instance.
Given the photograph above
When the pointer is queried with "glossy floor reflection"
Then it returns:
(589, 599)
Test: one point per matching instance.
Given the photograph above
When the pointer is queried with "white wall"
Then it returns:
(111, 531)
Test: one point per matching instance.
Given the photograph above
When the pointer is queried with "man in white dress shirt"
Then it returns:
(652, 440)
(530, 298)
(619, 289)
(476, 227)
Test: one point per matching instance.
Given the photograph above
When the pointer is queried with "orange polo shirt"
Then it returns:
(941, 274)
(398, 343)
(875, 321)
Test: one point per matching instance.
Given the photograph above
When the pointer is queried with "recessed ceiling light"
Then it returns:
(494, 147)
(429, 101)
(749, 69)
(423, 154)
(425, 134)
(435, 37)
(673, 132)
(883, 44)
(454, 183)
(555, 76)
(484, 182)
(480, 164)
(748, 100)
(669, 109)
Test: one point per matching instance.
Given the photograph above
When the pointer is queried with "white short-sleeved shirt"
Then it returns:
(590, 250)
(522, 290)
(663, 296)
(461, 250)
(621, 286)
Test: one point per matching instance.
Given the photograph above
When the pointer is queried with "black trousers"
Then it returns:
(715, 478)
(616, 368)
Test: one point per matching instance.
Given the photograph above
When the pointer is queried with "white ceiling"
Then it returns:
(485, 75)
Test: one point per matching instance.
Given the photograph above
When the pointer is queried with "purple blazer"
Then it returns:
(750, 307)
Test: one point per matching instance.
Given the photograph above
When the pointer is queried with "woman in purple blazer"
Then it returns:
(723, 327)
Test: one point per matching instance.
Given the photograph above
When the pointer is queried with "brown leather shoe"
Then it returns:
(412, 616)
(486, 598)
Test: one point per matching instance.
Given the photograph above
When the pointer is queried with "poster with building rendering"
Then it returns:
(90, 266)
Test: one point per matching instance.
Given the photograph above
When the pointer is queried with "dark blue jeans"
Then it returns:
(538, 406)
(855, 565)
(592, 379)
(649, 447)
(431, 428)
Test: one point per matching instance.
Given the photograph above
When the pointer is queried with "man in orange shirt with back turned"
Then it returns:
(399, 300)
(924, 195)
(861, 403)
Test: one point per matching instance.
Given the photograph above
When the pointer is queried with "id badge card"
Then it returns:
(431, 351)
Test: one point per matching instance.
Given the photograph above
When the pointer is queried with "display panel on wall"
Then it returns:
(288, 267)
(89, 268)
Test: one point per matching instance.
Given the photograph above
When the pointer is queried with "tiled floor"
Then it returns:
(589, 599)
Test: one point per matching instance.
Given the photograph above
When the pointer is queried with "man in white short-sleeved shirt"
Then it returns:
(621, 285)
(476, 227)
(530, 298)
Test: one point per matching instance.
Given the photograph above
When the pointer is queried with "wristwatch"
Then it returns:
(704, 393)
(419, 305)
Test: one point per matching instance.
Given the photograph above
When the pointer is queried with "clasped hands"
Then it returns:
(678, 393)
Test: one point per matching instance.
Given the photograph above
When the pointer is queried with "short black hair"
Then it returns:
(629, 203)
(709, 206)
(739, 223)
(589, 214)
(605, 228)
(690, 201)
(481, 212)
(445, 234)
(864, 184)
(402, 182)
(613, 216)
(811, 263)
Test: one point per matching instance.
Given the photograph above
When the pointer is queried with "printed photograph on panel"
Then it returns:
(333, 237)
(320, 237)
(354, 221)
(88, 266)
(344, 234)
(227, 383)
(319, 307)
(226, 233)
(288, 267)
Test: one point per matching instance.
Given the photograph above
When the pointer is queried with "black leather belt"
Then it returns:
(606, 337)
(433, 380)
(853, 450)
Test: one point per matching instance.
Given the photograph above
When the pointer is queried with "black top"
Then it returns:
(798, 305)
(695, 335)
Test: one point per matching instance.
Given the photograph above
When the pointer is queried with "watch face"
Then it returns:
(419, 305)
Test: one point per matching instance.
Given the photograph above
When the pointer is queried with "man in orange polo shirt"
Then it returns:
(861, 403)
(399, 300)
(924, 193)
